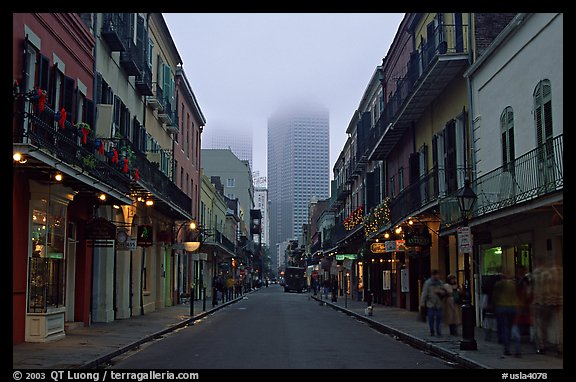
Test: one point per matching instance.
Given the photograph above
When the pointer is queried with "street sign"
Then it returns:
(464, 240)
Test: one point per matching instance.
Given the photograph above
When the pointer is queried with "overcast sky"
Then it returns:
(242, 65)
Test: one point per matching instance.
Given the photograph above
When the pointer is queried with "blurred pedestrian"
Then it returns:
(548, 304)
(433, 292)
(506, 308)
(452, 302)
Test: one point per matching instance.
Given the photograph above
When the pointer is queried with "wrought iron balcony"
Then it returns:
(414, 197)
(113, 31)
(152, 181)
(438, 62)
(156, 100)
(40, 129)
(144, 81)
(536, 174)
(219, 239)
(130, 58)
(166, 115)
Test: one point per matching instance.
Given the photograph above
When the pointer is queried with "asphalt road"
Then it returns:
(276, 330)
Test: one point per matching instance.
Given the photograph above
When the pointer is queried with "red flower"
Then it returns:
(62, 119)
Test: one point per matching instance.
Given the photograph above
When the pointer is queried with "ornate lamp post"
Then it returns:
(466, 200)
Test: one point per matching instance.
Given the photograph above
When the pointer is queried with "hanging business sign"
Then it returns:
(100, 229)
(378, 248)
(145, 235)
(394, 245)
(344, 256)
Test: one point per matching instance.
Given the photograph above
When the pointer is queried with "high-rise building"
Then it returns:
(238, 140)
(261, 203)
(298, 166)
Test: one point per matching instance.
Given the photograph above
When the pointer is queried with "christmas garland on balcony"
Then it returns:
(354, 219)
(377, 218)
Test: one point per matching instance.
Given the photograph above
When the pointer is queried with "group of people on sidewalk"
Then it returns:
(441, 302)
(530, 304)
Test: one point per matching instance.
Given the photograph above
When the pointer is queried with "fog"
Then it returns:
(242, 66)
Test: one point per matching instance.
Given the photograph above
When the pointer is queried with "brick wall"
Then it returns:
(487, 27)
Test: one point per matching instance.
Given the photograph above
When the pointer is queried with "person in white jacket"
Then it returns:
(433, 293)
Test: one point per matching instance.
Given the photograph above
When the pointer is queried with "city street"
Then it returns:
(272, 329)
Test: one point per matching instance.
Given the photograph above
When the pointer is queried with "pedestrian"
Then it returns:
(548, 304)
(326, 285)
(433, 292)
(452, 305)
(506, 309)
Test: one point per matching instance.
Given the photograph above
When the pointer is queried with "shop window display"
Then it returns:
(46, 262)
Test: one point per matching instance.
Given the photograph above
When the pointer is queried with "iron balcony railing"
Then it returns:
(446, 40)
(158, 183)
(114, 31)
(41, 129)
(144, 81)
(222, 240)
(130, 58)
(415, 196)
(537, 173)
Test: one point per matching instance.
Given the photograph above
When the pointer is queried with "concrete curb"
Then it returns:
(189, 321)
(410, 339)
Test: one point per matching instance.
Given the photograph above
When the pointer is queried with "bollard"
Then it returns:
(204, 299)
(192, 302)
(214, 297)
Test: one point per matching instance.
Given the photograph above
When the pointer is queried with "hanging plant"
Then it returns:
(85, 130)
(89, 161)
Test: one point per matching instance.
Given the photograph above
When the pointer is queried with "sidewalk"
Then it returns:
(404, 325)
(89, 347)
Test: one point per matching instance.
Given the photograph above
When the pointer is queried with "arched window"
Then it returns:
(507, 135)
(543, 116)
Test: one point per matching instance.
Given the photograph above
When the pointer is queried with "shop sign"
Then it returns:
(378, 248)
(343, 256)
(418, 240)
(145, 235)
(347, 264)
(395, 245)
(100, 229)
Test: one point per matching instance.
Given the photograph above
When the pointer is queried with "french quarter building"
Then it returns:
(446, 106)
(95, 203)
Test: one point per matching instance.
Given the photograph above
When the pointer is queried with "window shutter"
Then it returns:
(414, 163)
(450, 156)
(25, 82)
(68, 97)
(44, 73)
(52, 90)
(89, 113)
(98, 85)
(136, 132)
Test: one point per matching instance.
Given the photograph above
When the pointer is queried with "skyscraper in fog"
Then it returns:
(238, 140)
(298, 166)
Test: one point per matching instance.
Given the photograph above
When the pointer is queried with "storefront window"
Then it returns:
(46, 262)
(492, 261)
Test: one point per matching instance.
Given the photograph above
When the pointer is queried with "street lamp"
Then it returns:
(466, 200)
(191, 241)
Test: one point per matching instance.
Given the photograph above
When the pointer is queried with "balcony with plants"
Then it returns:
(41, 128)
